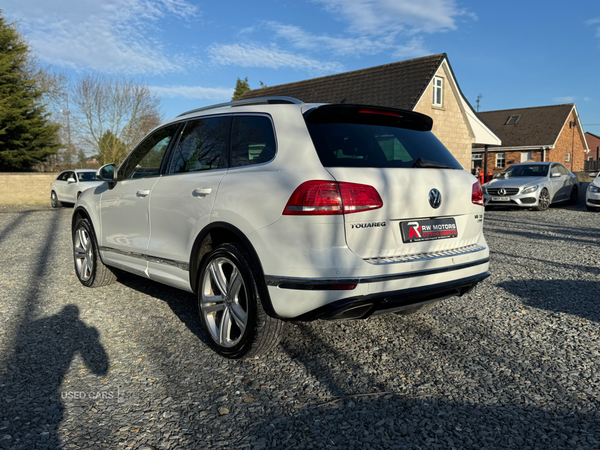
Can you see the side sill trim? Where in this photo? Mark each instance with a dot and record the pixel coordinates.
(299, 282)
(167, 262)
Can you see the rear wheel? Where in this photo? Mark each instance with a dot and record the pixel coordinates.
(54, 200)
(89, 268)
(229, 298)
(543, 201)
(574, 198)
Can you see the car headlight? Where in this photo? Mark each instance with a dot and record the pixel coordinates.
(529, 189)
(593, 188)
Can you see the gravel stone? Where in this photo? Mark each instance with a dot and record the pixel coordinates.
(514, 364)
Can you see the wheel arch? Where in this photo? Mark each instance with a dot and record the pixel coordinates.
(218, 233)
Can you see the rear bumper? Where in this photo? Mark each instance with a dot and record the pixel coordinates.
(364, 306)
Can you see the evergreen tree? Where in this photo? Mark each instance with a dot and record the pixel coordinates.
(112, 150)
(241, 87)
(26, 137)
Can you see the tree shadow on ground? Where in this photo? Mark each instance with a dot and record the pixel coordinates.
(577, 297)
(30, 390)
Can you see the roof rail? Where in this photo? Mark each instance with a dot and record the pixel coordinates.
(250, 101)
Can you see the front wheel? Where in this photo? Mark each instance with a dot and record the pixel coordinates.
(89, 268)
(591, 208)
(229, 298)
(543, 201)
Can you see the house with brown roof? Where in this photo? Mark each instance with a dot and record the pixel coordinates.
(545, 133)
(593, 142)
(426, 85)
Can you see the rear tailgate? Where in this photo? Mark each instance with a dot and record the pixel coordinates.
(405, 193)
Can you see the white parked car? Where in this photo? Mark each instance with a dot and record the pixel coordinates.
(68, 185)
(274, 210)
(592, 194)
(532, 185)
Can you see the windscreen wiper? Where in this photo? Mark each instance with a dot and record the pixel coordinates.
(431, 164)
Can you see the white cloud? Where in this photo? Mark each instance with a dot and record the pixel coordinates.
(195, 92)
(595, 21)
(565, 99)
(379, 17)
(111, 36)
(250, 55)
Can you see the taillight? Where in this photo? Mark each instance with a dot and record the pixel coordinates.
(477, 194)
(320, 197)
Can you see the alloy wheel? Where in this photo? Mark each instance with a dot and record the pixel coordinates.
(84, 257)
(544, 200)
(224, 302)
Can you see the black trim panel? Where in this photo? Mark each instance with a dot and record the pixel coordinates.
(314, 283)
(364, 306)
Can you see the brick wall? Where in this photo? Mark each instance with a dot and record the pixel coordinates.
(25, 188)
(594, 146)
(571, 140)
(448, 121)
(510, 159)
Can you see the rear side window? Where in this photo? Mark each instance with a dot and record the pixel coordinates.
(252, 140)
(203, 145)
(359, 137)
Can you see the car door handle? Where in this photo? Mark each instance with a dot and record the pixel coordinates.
(143, 193)
(202, 192)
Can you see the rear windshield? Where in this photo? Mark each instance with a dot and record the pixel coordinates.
(371, 140)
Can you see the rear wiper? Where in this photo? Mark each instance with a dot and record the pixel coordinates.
(436, 165)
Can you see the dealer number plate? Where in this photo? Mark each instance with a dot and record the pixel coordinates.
(428, 230)
(501, 199)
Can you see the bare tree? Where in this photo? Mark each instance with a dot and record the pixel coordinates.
(122, 108)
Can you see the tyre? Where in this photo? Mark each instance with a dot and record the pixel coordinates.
(89, 267)
(416, 309)
(54, 200)
(230, 294)
(574, 197)
(592, 208)
(543, 201)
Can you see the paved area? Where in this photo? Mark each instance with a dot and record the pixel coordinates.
(514, 365)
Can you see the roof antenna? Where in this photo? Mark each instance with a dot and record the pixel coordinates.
(479, 97)
(343, 101)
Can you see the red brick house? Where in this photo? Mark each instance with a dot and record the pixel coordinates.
(545, 133)
(593, 143)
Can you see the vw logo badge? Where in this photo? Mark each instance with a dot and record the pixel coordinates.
(435, 198)
(501, 191)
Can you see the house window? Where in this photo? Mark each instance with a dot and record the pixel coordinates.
(568, 157)
(512, 120)
(476, 161)
(500, 160)
(525, 156)
(438, 91)
(590, 158)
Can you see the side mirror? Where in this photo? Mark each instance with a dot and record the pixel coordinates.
(593, 174)
(108, 173)
(71, 180)
(555, 175)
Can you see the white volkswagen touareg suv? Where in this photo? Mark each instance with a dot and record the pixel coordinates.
(274, 210)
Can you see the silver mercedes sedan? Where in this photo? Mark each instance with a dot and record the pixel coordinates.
(533, 185)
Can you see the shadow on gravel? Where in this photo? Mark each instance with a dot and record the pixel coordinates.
(559, 233)
(16, 222)
(560, 265)
(31, 389)
(182, 303)
(575, 297)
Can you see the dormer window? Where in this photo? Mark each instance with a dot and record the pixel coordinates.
(438, 91)
(512, 120)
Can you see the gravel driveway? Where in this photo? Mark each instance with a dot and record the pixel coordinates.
(515, 364)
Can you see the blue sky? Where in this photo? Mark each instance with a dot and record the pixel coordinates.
(514, 53)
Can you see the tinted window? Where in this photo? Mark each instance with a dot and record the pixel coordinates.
(87, 176)
(202, 146)
(63, 176)
(252, 140)
(146, 158)
(555, 169)
(366, 138)
(563, 170)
